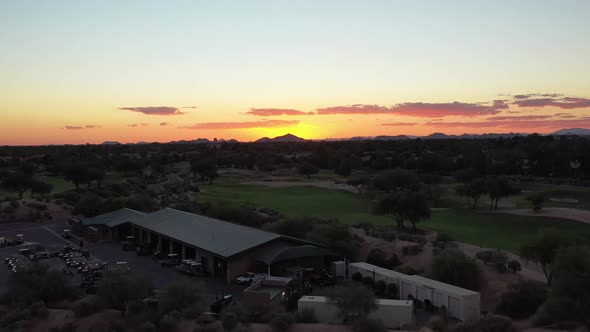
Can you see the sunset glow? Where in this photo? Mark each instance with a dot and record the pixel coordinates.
(89, 72)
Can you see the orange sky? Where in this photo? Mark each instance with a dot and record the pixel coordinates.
(87, 72)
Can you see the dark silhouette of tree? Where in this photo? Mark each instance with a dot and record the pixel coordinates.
(343, 168)
(307, 169)
(353, 300)
(405, 206)
(454, 267)
(537, 200)
(498, 188)
(472, 186)
(359, 182)
(40, 188)
(18, 182)
(77, 174)
(205, 168)
(395, 180)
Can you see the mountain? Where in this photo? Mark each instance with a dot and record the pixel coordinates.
(284, 138)
(391, 138)
(111, 143)
(573, 131)
(437, 136)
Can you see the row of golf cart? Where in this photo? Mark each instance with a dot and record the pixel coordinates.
(12, 240)
(29, 253)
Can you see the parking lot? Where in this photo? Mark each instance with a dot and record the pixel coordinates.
(49, 236)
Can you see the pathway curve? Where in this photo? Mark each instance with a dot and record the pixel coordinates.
(555, 212)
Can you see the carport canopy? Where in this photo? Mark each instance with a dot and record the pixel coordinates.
(285, 252)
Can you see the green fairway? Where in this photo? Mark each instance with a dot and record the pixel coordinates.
(487, 229)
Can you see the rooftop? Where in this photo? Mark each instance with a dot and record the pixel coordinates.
(113, 218)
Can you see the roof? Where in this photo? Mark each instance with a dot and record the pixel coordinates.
(113, 218)
(282, 252)
(379, 270)
(385, 302)
(216, 236)
(442, 286)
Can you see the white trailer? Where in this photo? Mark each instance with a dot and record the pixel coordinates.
(377, 273)
(394, 314)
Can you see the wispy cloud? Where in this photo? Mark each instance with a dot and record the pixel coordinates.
(189, 107)
(519, 117)
(138, 125)
(399, 124)
(421, 109)
(82, 127)
(520, 125)
(154, 110)
(243, 125)
(163, 124)
(276, 112)
(563, 103)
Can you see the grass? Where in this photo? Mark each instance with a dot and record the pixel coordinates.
(486, 229)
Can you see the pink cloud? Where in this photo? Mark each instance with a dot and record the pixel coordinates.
(276, 112)
(519, 117)
(154, 110)
(517, 125)
(138, 125)
(399, 124)
(82, 127)
(243, 125)
(162, 124)
(563, 103)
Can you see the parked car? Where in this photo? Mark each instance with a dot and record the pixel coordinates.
(144, 250)
(19, 239)
(159, 255)
(66, 234)
(171, 260)
(129, 243)
(250, 277)
(191, 268)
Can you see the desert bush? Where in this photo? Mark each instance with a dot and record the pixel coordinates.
(436, 251)
(488, 323)
(368, 325)
(554, 310)
(357, 277)
(406, 269)
(522, 299)
(87, 306)
(169, 322)
(454, 267)
(282, 321)
(379, 288)
(306, 316)
(413, 249)
(485, 256)
(147, 327)
(38, 309)
(514, 266)
(437, 324)
(229, 321)
(443, 237)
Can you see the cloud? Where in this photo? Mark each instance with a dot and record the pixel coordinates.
(276, 112)
(163, 124)
(243, 125)
(521, 96)
(190, 107)
(138, 125)
(563, 103)
(519, 117)
(421, 109)
(82, 127)
(519, 125)
(399, 124)
(154, 110)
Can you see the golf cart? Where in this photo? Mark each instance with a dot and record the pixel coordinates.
(144, 249)
(221, 301)
(66, 234)
(19, 239)
(171, 260)
(191, 268)
(129, 243)
(159, 255)
(121, 267)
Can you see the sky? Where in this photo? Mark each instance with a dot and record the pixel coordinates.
(91, 71)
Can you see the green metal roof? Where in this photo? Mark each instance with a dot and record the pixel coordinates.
(113, 218)
(216, 236)
(282, 252)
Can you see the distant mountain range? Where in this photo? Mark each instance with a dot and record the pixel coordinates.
(292, 138)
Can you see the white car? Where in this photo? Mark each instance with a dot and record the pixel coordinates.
(250, 278)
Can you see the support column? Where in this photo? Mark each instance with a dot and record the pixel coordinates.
(159, 247)
(170, 247)
(183, 252)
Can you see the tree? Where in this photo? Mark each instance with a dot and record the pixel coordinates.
(343, 168)
(18, 182)
(77, 174)
(352, 300)
(397, 180)
(569, 299)
(298, 228)
(182, 294)
(360, 183)
(118, 289)
(97, 175)
(454, 267)
(336, 236)
(405, 205)
(497, 188)
(537, 200)
(307, 169)
(472, 191)
(522, 299)
(205, 168)
(37, 282)
(543, 248)
(40, 188)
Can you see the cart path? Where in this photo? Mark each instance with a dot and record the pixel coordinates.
(317, 183)
(555, 212)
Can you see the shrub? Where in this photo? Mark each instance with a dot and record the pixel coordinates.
(437, 324)
(555, 310)
(168, 323)
(306, 316)
(379, 288)
(229, 321)
(357, 277)
(135, 307)
(393, 262)
(514, 266)
(86, 306)
(488, 323)
(413, 249)
(443, 237)
(368, 281)
(484, 256)
(282, 321)
(436, 251)
(391, 291)
(376, 257)
(454, 267)
(406, 269)
(38, 309)
(99, 326)
(522, 299)
(368, 325)
(241, 313)
(499, 260)
(147, 327)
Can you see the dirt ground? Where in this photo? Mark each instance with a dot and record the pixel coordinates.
(25, 213)
(567, 213)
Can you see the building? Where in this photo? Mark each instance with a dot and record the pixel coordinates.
(460, 303)
(224, 249)
(394, 314)
(267, 295)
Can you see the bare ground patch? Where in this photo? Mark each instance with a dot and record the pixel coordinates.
(566, 213)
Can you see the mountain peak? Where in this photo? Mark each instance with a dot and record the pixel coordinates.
(284, 138)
